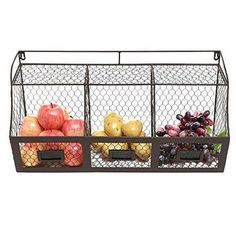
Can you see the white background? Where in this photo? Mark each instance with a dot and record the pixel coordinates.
(115, 204)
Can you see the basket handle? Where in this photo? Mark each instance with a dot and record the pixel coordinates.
(51, 155)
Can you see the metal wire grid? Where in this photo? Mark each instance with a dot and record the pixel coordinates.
(52, 74)
(187, 74)
(18, 109)
(69, 97)
(124, 89)
(119, 75)
(98, 160)
(177, 99)
(221, 110)
(191, 164)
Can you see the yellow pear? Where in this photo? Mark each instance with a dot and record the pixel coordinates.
(112, 125)
(113, 146)
(142, 150)
(132, 128)
(97, 146)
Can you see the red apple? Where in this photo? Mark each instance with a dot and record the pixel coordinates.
(73, 127)
(52, 146)
(73, 154)
(30, 126)
(29, 154)
(66, 115)
(51, 116)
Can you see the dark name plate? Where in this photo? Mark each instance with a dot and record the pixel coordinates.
(51, 155)
(189, 155)
(127, 155)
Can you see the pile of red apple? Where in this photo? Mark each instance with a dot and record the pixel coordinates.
(52, 120)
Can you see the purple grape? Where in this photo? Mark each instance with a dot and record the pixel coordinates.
(160, 131)
(193, 118)
(195, 114)
(188, 146)
(176, 128)
(179, 116)
(201, 131)
(183, 121)
(173, 151)
(181, 126)
(198, 146)
(206, 113)
(167, 127)
(188, 125)
(195, 125)
(166, 147)
(187, 115)
(183, 133)
(211, 146)
(192, 134)
(210, 122)
(173, 133)
(163, 152)
(162, 158)
(181, 145)
(201, 119)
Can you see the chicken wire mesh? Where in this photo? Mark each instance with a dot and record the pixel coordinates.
(51, 74)
(153, 94)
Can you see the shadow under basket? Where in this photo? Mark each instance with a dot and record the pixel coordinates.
(152, 86)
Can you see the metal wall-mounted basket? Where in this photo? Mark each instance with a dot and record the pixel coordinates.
(151, 86)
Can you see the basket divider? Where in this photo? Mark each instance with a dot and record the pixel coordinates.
(153, 103)
(87, 111)
(216, 94)
(22, 82)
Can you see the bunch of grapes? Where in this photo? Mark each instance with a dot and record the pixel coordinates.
(190, 125)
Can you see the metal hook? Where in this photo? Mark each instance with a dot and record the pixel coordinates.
(22, 55)
(216, 55)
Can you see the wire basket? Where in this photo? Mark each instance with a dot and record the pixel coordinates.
(149, 86)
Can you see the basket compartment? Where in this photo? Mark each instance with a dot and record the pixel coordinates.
(125, 90)
(51, 154)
